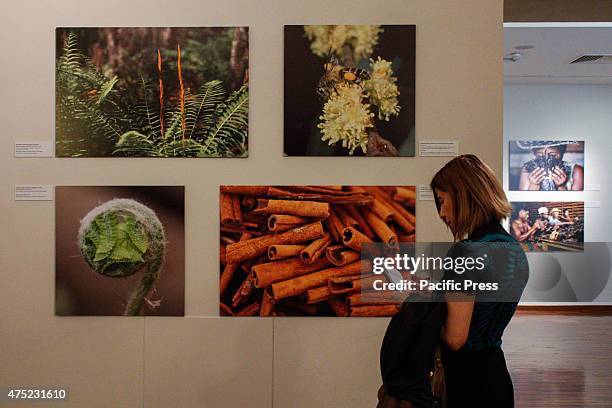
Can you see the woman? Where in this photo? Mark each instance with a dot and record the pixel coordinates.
(472, 204)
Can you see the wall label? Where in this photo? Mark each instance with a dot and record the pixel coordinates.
(33, 192)
(33, 149)
(425, 193)
(439, 148)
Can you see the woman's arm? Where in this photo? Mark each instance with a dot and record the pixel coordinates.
(458, 318)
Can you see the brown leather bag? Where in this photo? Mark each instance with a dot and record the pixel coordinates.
(438, 385)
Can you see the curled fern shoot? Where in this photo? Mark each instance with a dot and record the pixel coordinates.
(121, 237)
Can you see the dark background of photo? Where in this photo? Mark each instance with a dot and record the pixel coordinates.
(79, 290)
(129, 52)
(302, 72)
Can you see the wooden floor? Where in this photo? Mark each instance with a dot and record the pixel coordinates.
(560, 361)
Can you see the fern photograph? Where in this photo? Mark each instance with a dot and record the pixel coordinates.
(120, 250)
(152, 92)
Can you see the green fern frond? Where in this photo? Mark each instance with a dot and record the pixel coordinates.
(199, 112)
(231, 127)
(89, 112)
(71, 56)
(182, 148)
(135, 144)
(148, 120)
(106, 89)
(112, 242)
(173, 131)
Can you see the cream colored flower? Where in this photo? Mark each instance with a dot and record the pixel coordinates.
(346, 118)
(382, 89)
(331, 39)
(363, 39)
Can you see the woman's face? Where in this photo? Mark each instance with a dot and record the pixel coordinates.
(553, 151)
(446, 207)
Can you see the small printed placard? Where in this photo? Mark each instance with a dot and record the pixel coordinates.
(425, 193)
(439, 148)
(33, 149)
(592, 204)
(592, 187)
(33, 193)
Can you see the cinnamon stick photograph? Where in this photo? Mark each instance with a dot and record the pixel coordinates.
(296, 250)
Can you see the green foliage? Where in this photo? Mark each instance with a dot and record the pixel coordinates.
(115, 245)
(214, 127)
(89, 112)
(230, 116)
(209, 59)
(93, 119)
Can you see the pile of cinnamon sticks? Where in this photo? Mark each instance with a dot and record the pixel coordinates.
(295, 250)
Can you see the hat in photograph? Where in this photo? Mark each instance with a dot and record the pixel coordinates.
(536, 144)
(542, 210)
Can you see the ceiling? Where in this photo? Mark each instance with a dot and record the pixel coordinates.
(554, 47)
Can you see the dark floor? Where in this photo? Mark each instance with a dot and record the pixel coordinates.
(560, 360)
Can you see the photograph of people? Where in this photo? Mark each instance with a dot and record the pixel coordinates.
(546, 165)
(521, 229)
(558, 225)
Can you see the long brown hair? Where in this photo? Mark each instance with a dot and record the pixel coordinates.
(476, 195)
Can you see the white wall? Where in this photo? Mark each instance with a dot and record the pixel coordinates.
(202, 360)
(568, 112)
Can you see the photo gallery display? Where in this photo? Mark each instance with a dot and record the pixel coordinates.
(183, 92)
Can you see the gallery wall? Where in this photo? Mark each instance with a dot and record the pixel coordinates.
(201, 359)
(567, 112)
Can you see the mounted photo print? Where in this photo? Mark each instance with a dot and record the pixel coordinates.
(349, 90)
(151, 92)
(546, 165)
(296, 250)
(119, 251)
(548, 226)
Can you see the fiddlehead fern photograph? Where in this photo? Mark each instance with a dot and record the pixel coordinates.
(120, 251)
(152, 92)
(349, 90)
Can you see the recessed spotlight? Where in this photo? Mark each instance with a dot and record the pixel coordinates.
(523, 47)
(513, 57)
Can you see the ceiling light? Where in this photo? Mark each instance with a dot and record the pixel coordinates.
(513, 57)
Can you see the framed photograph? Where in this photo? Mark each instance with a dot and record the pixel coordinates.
(297, 250)
(546, 165)
(548, 226)
(151, 92)
(119, 251)
(349, 90)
